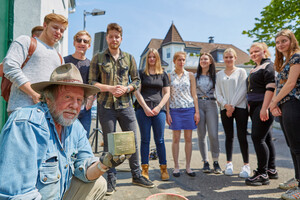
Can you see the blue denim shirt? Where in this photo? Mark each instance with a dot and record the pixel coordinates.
(34, 163)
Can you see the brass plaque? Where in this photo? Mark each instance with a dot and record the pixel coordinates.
(120, 143)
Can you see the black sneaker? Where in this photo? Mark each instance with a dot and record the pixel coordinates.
(142, 181)
(272, 173)
(111, 186)
(258, 179)
(217, 168)
(206, 168)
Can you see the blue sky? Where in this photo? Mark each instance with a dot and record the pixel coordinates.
(195, 20)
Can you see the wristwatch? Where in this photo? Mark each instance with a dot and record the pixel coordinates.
(100, 168)
(128, 89)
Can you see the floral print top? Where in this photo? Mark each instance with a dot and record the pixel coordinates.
(180, 91)
(282, 79)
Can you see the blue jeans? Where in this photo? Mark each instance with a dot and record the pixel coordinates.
(85, 117)
(158, 125)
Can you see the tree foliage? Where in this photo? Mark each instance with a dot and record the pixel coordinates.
(278, 15)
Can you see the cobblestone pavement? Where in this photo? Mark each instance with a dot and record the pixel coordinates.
(206, 186)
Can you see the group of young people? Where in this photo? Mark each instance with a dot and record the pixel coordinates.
(184, 100)
(187, 101)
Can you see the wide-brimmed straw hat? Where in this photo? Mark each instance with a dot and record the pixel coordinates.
(66, 74)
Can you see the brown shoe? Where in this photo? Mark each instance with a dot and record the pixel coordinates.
(145, 170)
(164, 173)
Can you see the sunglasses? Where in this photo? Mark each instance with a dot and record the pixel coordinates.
(79, 40)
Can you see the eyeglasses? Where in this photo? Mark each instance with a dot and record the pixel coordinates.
(79, 40)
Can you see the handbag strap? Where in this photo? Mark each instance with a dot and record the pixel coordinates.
(31, 50)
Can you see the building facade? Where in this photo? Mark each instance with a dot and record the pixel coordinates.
(173, 43)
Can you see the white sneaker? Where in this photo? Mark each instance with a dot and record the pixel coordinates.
(245, 173)
(228, 169)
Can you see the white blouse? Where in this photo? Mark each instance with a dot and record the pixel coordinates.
(232, 89)
(180, 91)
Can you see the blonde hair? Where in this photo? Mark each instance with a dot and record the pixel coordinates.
(294, 47)
(230, 50)
(158, 68)
(52, 17)
(177, 54)
(263, 46)
(79, 33)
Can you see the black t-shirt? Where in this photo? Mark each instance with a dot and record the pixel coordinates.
(82, 65)
(151, 87)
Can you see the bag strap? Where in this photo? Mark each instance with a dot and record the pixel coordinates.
(61, 59)
(31, 50)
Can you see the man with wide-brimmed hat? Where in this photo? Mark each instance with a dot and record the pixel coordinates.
(44, 151)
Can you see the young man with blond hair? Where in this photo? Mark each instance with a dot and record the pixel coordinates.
(82, 42)
(39, 67)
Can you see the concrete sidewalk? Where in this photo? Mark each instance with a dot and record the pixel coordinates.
(206, 186)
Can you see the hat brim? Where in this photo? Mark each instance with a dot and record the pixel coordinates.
(88, 89)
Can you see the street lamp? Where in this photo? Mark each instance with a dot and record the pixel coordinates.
(95, 12)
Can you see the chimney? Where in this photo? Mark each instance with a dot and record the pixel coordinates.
(211, 39)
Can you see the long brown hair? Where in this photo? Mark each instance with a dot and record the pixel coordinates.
(294, 47)
(211, 70)
(158, 68)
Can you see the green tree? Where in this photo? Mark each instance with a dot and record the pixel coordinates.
(278, 15)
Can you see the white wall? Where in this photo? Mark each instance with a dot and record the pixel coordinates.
(173, 49)
(31, 13)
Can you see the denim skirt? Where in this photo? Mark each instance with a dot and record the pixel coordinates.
(182, 118)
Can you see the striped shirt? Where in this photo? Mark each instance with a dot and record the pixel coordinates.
(106, 70)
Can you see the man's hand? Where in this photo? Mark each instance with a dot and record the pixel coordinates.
(36, 97)
(118, 90)
(89, 102)
(111, 161)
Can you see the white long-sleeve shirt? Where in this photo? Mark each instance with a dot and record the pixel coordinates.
(232, 89)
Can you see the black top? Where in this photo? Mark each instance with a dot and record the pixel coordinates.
(82, 65)
(260, 79)
(151, 87)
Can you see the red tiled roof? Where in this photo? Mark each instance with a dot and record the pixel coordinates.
(242, 57)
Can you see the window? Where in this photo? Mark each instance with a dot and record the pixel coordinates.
(220, 57)
(176, 49)
(168, 52)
